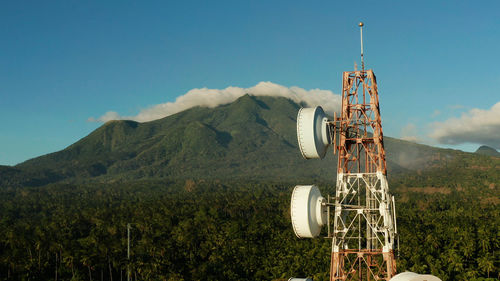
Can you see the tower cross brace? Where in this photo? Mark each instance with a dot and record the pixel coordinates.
(364, 233)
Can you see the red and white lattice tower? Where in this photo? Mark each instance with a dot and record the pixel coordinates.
(361, 216)
(364, 223)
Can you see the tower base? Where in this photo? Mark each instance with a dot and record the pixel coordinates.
(362, 265)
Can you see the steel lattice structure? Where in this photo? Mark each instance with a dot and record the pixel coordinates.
(364, 227)
(363, 232)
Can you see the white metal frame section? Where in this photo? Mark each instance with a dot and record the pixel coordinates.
(364, 216)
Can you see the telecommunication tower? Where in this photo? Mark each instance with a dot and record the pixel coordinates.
(361, 217)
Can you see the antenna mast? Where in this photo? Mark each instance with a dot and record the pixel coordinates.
(362, 212)
(364, 229)
(361, 24)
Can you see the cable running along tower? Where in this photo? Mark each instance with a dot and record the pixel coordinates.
(361, 217)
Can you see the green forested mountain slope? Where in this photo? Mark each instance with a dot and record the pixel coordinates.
(251, 138)
(207, 192)
(486, 150)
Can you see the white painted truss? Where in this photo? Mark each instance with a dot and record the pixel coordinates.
(364, 216)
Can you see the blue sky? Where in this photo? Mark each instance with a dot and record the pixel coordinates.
(62, 62)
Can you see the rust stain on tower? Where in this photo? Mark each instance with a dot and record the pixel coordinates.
(360, 117)
(361, 217)
(364, 221)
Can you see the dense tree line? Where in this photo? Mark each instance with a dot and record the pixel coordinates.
(197, 230)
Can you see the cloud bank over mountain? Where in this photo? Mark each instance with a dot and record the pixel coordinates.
(410, 133)
(475, 126)
(214, 97)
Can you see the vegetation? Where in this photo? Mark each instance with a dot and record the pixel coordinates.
(486, 150)
(249, 138)
(200, 230)
(188, 186)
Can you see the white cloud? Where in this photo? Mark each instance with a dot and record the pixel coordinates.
(435, 113)
(409, 133)
(214, 97)
(475, 126)
(456, 106)
(108, 116)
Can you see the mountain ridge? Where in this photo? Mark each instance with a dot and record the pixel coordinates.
(251, 138)
(489, 151)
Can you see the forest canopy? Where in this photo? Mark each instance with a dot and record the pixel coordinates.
(212, 230)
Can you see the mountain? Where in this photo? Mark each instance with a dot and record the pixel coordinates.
(253, 138)
(187, 186)
(489, 151)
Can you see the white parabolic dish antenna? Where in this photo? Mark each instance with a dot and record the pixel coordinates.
(312, 132)
(410, 276)
(307, 211)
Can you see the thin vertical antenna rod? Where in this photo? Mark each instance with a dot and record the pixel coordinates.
(128, 251)
(361, 24)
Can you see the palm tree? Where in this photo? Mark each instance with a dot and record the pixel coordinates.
(485, 264)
